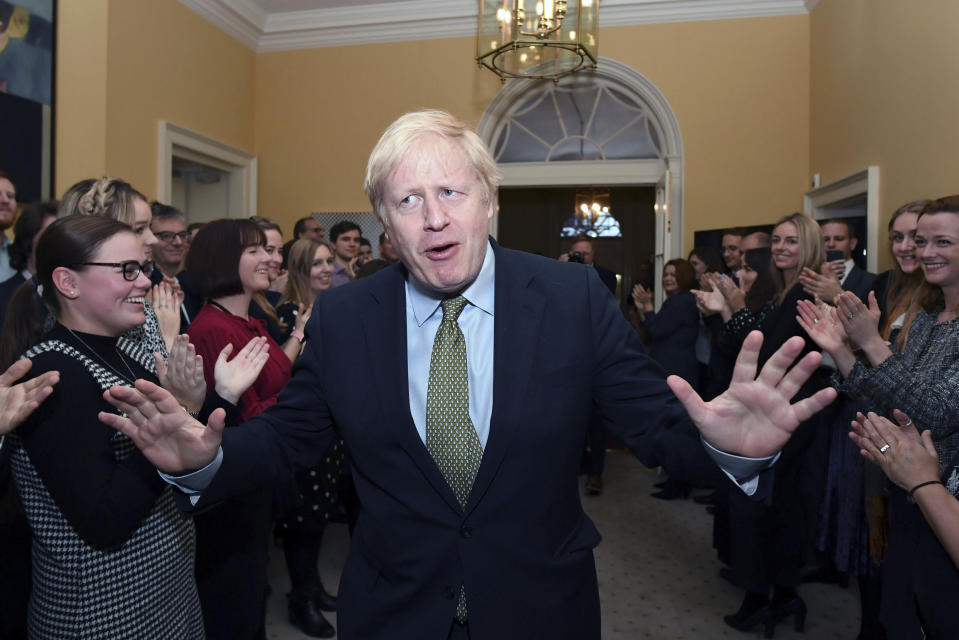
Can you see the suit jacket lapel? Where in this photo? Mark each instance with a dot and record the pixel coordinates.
(384, 324)
(518, 313)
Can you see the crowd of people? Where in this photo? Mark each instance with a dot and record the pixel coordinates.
(219, 355)
(890, 350)
(106, 290)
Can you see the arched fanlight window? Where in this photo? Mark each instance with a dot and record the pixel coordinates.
(583, 117)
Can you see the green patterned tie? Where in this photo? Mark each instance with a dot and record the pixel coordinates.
(450, 436)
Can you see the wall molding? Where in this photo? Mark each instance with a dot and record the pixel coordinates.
(260, 30)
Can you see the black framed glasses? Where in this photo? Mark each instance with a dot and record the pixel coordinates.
(168, 236)
(131, 269)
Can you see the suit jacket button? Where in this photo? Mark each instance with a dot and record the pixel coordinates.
(466, 532)
(450, 592)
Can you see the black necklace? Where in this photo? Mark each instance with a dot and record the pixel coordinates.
(119, 353)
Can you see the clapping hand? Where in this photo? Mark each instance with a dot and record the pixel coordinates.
(166, 304)
(642, 298)
(17, 401)
(860, 322)
(906, 457)
(234, 377)
(182, 374)
(754, 417)
(823, 285)
(710, 302)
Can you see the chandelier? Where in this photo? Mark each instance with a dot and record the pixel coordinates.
(592, 216)
(546, 40)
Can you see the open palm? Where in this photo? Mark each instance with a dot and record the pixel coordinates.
(754, 417)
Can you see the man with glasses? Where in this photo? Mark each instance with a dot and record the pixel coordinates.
(169, 227)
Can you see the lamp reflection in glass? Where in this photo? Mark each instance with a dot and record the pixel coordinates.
(547, 39)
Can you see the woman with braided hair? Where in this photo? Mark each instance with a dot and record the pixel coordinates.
(117, 199)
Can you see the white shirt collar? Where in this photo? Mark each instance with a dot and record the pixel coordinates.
(479, 293)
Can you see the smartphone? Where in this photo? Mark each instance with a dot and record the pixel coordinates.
(834, 254)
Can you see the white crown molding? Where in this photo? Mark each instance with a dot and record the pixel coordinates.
(426, 19)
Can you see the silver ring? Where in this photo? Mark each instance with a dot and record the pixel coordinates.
(884, 448)
(851, 316)
(908, 424)
(815, 320)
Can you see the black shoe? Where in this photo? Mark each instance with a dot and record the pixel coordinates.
(709, 498)
(307, 618)
(661, 485)
(792, 607)
(323, 600)
(675, 489)
(594, 485)
(753, 611)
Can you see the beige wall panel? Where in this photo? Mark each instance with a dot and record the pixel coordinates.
(885, 92)
(740, 89)
(168, 63)
(319, 112)
(81, 92)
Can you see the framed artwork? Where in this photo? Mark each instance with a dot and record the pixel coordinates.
(27, 64)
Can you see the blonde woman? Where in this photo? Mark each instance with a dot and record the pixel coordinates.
(766, 541)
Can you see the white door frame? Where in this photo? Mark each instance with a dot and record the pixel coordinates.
(176, 141)
(609, 172)
(862, 183)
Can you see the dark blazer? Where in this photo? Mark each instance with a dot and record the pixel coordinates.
(523, 546)
(672, 336)
(859, 282)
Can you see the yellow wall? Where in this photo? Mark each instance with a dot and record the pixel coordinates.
(740, 89)
(158, 61)
(884, 92)
(81, 95)
(320, 111)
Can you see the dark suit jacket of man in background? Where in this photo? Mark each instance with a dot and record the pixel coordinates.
(523, 546)
(859, 282)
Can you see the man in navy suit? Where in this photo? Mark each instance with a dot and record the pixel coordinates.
(545, 345)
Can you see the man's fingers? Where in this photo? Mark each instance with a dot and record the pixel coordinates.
(793, 380)
(779, 362)
(217, 420)
(688, 397)
(808, 407)
(121, 424)
(748, 358)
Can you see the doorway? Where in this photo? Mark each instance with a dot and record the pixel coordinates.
(532, 219)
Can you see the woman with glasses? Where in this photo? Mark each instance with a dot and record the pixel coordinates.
(117, 199)
(112, 557)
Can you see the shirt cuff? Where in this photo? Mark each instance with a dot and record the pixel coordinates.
(744, 472)
(193, 484)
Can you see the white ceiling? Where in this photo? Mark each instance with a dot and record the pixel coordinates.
(274, 25)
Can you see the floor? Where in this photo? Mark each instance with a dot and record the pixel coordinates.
(658, 574)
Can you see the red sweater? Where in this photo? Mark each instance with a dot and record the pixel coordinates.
(212, 329)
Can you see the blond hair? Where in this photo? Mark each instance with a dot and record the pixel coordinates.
(108, 197)
(299, 261)
(810, 252)
(412, 127)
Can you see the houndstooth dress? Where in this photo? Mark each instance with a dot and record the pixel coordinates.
(142, 588)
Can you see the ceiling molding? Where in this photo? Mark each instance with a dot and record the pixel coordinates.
(260, 30)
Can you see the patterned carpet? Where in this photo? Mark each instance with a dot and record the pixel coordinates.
(658, 574)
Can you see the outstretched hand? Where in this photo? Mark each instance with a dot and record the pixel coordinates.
(166, 434)
(17, 401)
(754, 417)
(908, 460)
